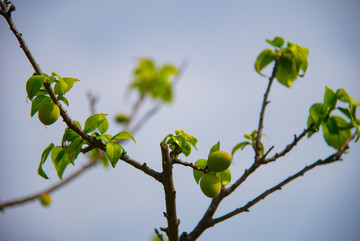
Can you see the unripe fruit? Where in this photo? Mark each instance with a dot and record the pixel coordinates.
(121, 118)
(210, 185)
(48, 113)
(219, 161)
(45, 199)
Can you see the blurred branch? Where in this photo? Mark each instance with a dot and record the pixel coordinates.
(49, 190)
(92, 99)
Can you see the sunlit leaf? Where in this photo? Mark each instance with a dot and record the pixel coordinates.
(214, 148)
(124, 135)
(33, 85)
(113, 152)
(241, 146)
(201, 163)
(60, 160)
(265, 57)
(44, 156)
(224, 177)
(277, 42)
(334, 134)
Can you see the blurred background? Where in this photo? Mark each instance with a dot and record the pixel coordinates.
(218, 98)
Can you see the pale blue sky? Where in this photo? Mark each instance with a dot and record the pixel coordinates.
(218, 98)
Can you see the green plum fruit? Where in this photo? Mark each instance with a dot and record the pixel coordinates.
(210, 185)
(48, 113)
(45, 199)
(219, 161)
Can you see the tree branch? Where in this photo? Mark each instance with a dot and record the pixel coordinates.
(49, 190)
(290, 146)
(330, 159)
(172, 230)
(258, 142)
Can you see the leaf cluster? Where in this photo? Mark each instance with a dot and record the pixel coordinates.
(252, 138)
(336, 129)
(72, 144)
(154, 81)
(38, 95)
(181, 142)
(291, 61)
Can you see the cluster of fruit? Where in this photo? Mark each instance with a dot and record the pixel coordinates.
(218, 163)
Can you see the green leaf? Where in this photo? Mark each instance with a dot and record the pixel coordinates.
(124, 135)
(265, 57)
(343, 96)
(91, 123)
(34, 84)
(318, 112)
(44, 156)
(74, 149)
(96, 121)
(63, 99)
(37, 103)
(201, 163)
(346, 112)
(330, 98)
(189, 138)
(113, 152)
(104, 137)
(103, 123)
(69, 83)
(277, 42)
(224, 177)
(60, 86)
(70, 135)
(286, 71)
(60, 160)
(334, 133)
(238, 146)
(215, 148)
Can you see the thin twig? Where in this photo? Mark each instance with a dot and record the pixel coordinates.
(188, 164)
(48, 190)
(258, 143)
(290, 146)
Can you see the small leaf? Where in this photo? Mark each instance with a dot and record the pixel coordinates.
(91, 123)
(330, 98)
(34, 84)
(214, 148)
(189, 138)
(346, 112)
(124, 135)
(277, 42)
(104, 137)
(286, 71)
(60, 160)
(44, 156)
(201, 163)
(224, 177)
(334, 134)
(73, 150)
(318, 112)
(69, 82)
(265, 57)
(60, 86)
(70, 135)
(102, 123)
(63, 99)
(37, 103)
(114, 152)
(241, 145)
